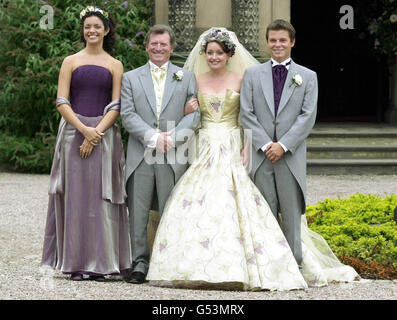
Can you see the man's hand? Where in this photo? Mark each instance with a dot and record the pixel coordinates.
(191, 106)
(164, 142)
(274, 152)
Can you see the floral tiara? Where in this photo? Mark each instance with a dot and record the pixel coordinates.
(93, 9)
(219, 36)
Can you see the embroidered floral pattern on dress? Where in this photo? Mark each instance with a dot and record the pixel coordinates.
(186, 203)
(252, 260)
(258, 249)
(205, 243)
(216, 105)
(258, 200)
(163, 245)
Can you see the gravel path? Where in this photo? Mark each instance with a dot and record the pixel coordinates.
(23, 207)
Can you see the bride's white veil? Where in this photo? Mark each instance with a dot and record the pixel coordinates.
(239, 62)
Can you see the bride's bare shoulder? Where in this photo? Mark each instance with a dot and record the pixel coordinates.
(202, 78)
(235, 80)
(236, 76)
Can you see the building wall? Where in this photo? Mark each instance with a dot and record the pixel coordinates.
(210, 13)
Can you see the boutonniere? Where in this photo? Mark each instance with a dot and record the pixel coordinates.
(178, 76)
(296, 80)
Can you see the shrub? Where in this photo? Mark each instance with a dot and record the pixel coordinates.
(30, 59)
(30, 155)
(360, 230)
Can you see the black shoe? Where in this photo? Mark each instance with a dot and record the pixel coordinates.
(97, 278)
(76, 277)
(136, 277)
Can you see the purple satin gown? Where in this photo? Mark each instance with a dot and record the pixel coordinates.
(87, 228)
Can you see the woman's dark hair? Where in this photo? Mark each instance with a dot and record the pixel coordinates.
(223, 46)
(109, 40)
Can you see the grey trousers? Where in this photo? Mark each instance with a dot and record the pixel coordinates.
(149, 183)
(283, 194)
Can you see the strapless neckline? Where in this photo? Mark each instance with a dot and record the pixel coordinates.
(90, 89)
(220, 93)
(92, 65)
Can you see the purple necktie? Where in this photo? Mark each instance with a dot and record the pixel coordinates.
(279, 75)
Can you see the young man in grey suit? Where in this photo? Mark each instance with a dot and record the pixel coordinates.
(279, 104)
(153, 100)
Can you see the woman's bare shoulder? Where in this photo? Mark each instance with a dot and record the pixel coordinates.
(71, 58)
(236, 76)
(117, 65)
(202, 78)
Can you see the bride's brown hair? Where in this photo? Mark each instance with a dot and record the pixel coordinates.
(223, 46)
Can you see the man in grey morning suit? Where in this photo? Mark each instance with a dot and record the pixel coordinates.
(153, 99)
(279, 104)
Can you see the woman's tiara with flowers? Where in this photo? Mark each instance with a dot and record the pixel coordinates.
(93, 9)
(219, 36)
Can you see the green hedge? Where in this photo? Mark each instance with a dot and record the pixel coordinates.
(360, 230)
(30, 59)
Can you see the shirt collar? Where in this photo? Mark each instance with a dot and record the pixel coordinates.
(284, 63)
(165, 65)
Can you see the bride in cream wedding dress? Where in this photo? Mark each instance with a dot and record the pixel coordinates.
(217, 231)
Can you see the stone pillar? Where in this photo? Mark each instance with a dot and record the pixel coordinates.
(391, 113)
(245, 22)
(182, 19)
(211, 13)
(161, 12)
(281, 9)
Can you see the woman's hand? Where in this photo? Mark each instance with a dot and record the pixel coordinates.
(86, 149)
(245, 155)
(191, 106)
(92, 135)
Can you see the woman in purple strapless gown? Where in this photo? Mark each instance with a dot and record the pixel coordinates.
(87, 229)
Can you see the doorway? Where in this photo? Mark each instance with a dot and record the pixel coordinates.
(353, 84)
